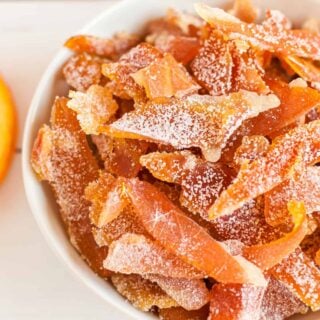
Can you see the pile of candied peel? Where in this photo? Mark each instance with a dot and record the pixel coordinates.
(184, 162)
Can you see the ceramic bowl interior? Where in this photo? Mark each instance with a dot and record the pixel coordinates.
(130, 16)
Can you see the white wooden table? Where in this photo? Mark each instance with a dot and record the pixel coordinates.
(34, 284)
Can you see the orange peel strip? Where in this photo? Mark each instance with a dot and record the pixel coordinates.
(265, 256)
(300, 145)
(306, 69)
(266, 36)
(212, 67)
(300, 274)
(295, 102)
(189, 122)
(94, 108)
(120, 156)
(82, 70)
(201, 181)
(317, 258)
(165, 77)
(191, 294)
(279, 302)
(303, 186)
(185, 238)
(122, 84)
(134, 253)
(110, 48)
(245, 300)
(142, 293)
(60, 154)
(183, 49)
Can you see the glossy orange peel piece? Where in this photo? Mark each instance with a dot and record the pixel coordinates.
(120, 156)
(300, 145)
(119, 73)
(305, 68)
(109, 48)
(201, 181)
(302, 186)
(185, 238)
(165, 77)
(137, 254)
(296, 101)
(182, 48)
(265, 256)
(8, 128)
(244, 10)
(61, 153)
(196, 121)
(264, 36)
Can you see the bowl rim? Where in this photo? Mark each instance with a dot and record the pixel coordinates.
(68, 254)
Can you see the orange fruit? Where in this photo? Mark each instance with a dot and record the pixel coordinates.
(8, 128)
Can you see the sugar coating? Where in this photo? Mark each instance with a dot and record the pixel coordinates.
(302, 276)
(190, 294)
(142, 293)
(137, 254)
(197, 121)
(94, 108)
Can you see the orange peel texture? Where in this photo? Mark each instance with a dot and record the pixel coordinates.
(61, 153)
(165, 77)
(302, 186)
(185, 238)
(301, 275)
(196, 121)
(201, 181)
(109, 48)
(265, 256)
(137, 254)
(245, 300)
(267, 36)
(300, 145)
(8, 128)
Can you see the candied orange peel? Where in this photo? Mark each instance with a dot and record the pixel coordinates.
(300, 145)
(268, 255)
(272, 37)
(95, 107)
(165, 78)
(182, 236)
(194, 121)
(302, 186)
(185, 162)
(137, 254)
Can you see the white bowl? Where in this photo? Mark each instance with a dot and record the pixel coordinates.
(129, 15)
